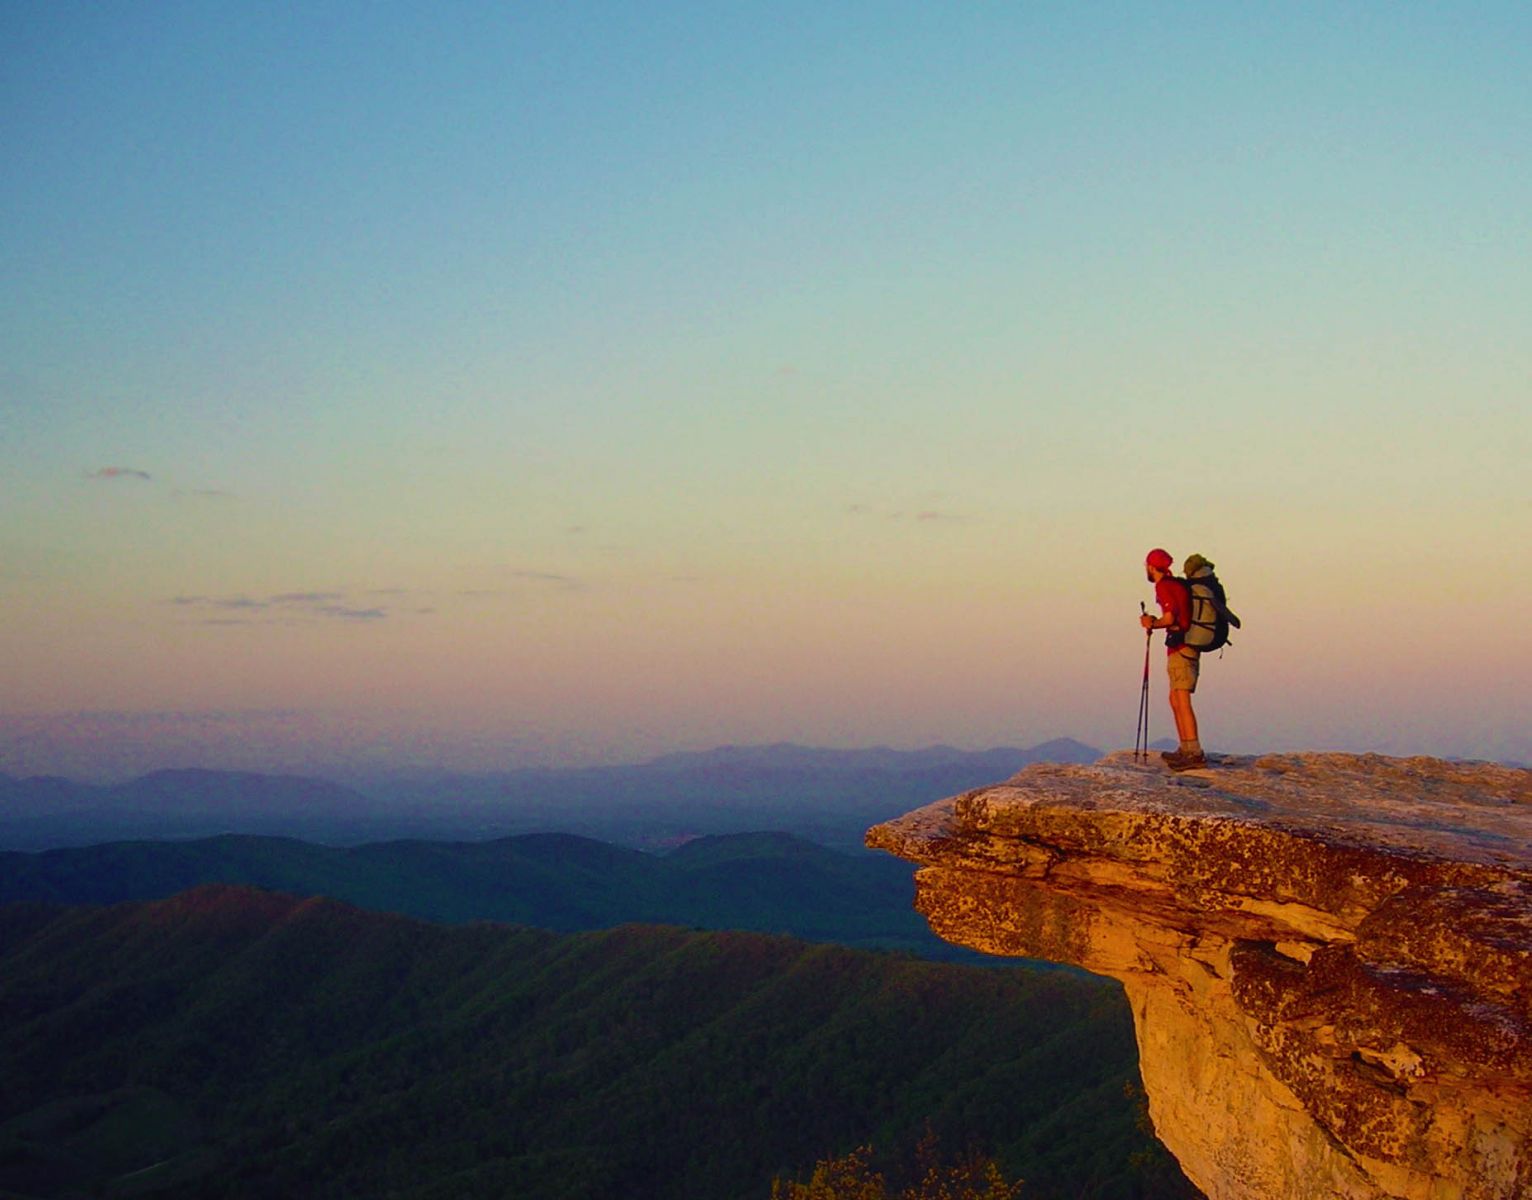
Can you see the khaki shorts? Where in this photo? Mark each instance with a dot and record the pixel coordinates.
(1183, 666)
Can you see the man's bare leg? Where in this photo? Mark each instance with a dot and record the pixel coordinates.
(1186, 719)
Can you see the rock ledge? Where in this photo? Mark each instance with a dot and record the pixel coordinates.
(1328, 956)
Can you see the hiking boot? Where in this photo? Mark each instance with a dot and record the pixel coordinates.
(1178, 760)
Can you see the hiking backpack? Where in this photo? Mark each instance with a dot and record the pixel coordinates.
(1211, 617)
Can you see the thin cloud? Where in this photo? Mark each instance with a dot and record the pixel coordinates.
(282, 608)
(120, 473)
(240, 602)
(306, 597)
(525, 581)
(346, 613)
(493, 574)
(544, 577)
(936, 515)
(924, 516)
(202, 494)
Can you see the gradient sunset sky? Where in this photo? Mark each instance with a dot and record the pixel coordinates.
(488, 385)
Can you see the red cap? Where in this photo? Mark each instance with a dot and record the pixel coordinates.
(1159, 559)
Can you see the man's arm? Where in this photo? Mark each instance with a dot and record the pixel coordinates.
(1166, 618)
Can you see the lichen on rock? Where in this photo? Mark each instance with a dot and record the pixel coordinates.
(1328, 956)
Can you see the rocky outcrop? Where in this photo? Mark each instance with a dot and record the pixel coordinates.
(1328, 956)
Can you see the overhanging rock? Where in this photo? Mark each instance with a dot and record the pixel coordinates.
(1328, 956)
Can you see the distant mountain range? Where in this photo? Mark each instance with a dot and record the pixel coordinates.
(769, 882)
(228, 1043)
(49, 811)
(827, 796)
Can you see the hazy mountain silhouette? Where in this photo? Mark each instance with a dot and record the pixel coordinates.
(827, 796)
(234, 1043)
(49, 811)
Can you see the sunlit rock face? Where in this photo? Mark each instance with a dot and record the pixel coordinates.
(1328, 956)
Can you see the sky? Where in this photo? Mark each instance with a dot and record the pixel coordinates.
(484, 385)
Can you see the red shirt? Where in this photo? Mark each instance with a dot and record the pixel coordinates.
(1175, 600)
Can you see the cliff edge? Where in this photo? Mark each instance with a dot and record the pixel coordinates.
(1328, 956)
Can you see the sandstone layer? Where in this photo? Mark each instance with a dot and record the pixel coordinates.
(1328, 956)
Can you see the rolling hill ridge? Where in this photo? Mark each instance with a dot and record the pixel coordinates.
(767, 882)
(228, 1042)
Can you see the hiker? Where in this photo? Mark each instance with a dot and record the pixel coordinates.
(1182, 662)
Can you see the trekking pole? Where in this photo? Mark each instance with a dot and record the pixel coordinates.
(1141, 733)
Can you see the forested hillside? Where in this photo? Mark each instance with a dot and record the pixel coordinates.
(772, 883)
(234, 1043)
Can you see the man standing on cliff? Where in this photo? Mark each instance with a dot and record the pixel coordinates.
(1182, 661)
